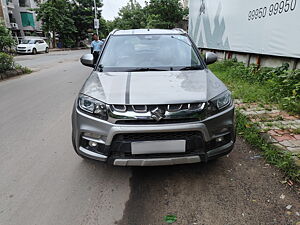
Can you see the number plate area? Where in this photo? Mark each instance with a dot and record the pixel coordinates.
(156, 147)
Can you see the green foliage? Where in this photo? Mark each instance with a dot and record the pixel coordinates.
(56, 16)
(83, 17)
(7, 62)
(131, 16)
(6, 40)
(24, 69)
(72, 20)
(164, 14)
(267, 85)
(281, 159)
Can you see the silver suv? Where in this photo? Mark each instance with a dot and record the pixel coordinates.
(151, 100)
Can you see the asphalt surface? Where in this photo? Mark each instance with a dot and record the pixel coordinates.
(42, 180)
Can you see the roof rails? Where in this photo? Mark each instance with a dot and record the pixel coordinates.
(179, 29)
(114, 31)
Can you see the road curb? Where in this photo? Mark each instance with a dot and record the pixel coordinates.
(67, 49)
(11, 73)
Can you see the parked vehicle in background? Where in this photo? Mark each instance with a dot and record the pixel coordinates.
(32, 46)
(152, 102)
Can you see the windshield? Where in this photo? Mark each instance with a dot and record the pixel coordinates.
(27, 41)
(149, 52)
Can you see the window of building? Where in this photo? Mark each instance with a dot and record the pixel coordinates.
(27, 19)
(23, 3)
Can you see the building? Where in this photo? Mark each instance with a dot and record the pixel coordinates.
(19, 17)
(4, 12)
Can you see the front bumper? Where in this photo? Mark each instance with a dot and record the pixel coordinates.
(24, 50)
(113, 141)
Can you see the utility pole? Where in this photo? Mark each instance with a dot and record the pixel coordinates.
(96, 21)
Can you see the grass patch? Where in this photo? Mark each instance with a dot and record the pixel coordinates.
(281, 159)
(24, 69)
(296, 131)
(261, 85)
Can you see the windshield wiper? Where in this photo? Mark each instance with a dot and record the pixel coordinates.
(141, 69)
(198, 67)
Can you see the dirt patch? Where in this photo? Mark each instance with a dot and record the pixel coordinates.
(234, 190)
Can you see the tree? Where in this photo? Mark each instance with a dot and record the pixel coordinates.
(165, 14)
(131, 16)
(6, 40)
(83, 16)
(56, 17)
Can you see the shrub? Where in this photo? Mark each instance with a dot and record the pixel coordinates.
(6, 62)
(281, 85)
(6, 40)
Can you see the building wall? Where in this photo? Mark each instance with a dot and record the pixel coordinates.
(4, 13)
(262, 60)
(18, 9)
(1, 11)
(229, 28)
(11, 11)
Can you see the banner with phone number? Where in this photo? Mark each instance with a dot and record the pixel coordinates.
(269, 27)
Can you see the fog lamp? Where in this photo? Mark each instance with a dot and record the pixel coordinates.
(92, 144)
(91, 135)
(219, 139)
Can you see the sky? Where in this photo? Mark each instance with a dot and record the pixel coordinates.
(111, 8)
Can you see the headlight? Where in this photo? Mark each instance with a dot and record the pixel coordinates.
(92, 106)
(223, 100)
(219, 103)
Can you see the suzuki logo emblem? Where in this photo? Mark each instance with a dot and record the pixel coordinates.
(157, 114)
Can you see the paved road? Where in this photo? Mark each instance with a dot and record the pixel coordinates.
(43, 182)
(43, 60)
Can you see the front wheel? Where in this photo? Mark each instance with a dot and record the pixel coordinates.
(34, 51)
(47, 50)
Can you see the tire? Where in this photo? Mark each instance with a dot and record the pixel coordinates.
(34, 51)
(47, 50)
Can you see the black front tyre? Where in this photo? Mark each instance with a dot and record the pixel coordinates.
(47, 50)
(34, 51)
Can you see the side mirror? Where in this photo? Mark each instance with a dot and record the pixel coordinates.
(210, 58)
(87, 60)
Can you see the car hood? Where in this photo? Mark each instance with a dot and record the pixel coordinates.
(153, 87)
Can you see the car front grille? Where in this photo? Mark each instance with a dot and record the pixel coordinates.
(132, 137)
(121, 144)
(156, 114)
(148, 108)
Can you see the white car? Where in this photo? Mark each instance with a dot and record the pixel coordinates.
(32, 46)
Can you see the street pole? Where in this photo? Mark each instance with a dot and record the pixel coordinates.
(95, 6)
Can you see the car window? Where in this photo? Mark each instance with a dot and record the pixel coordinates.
(149, 51)
(27, 41)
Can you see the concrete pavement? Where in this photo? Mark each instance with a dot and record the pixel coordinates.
(48, 60)
(42, 180)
